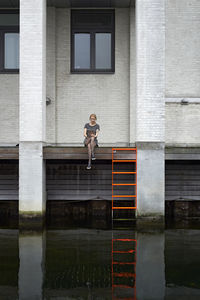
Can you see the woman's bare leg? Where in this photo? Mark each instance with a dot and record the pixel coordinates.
(89, 153)
(93, 144)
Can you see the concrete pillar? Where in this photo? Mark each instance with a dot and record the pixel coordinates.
(32, 111)
(32, 249)
(150, 107)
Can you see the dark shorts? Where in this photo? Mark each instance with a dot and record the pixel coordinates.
(86, 145)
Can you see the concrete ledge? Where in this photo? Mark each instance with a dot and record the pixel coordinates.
(182, 153)
(9, 152)
(150, 145)
(79, 152)
(172, 151)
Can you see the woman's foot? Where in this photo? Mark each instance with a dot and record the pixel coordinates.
(89, 166)
(93, 157)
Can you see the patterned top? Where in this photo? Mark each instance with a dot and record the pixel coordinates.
(91, 129)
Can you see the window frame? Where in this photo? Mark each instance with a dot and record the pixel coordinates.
(7, 29)
(89, 29)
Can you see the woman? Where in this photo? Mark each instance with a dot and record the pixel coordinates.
(91, 131)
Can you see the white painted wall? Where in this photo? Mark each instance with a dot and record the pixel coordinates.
(51, 75)
(150, 70)
(182, 48)
(182, 122)
(79, 95)
(9, 109)
(108, 95)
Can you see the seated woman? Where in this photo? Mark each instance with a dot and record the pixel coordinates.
(91, 131)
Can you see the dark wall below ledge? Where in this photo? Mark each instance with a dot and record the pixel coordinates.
(181, 209)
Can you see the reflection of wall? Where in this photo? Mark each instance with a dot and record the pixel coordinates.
(150, 267)
(182, 258)
(80, 260)
(9, 264)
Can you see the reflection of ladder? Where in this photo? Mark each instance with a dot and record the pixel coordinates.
(124, 179)
(124, 269)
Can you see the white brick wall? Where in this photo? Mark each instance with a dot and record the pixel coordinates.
(182, 48)
(182, 70)
(182, 124)
(80, 95)
(9, 110)
(132, 112)
(108, 95)
(32, 110)
(150, 70)
(51, 75)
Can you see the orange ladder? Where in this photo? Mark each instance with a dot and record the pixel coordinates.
(124, 162)
(124, 269)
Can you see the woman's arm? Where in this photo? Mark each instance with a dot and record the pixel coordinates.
(85, 132)
(97, 132)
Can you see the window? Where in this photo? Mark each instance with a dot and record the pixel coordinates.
(92, 41)
(9, 41)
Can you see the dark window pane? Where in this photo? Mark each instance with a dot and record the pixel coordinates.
(103, 50)
(82, 50)
(9, 19)
(11, 51)
(96, 19)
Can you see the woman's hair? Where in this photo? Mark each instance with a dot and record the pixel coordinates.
(93, 115)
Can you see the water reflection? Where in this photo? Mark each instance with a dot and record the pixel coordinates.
(31, 268)
(124, 257)
(100, 264)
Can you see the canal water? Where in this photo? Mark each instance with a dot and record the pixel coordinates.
(94, 263)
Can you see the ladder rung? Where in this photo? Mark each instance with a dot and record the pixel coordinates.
(123, 286)
(124, 219)
(123, 263)
(122, 298)
(124, 274)
(124, 240)
(123, 195)
(123, 149)
(124, 160)
(128, 251)
(123, 183)
(116, 172)
(123, 207)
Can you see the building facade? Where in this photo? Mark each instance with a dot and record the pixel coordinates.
(138, 70)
